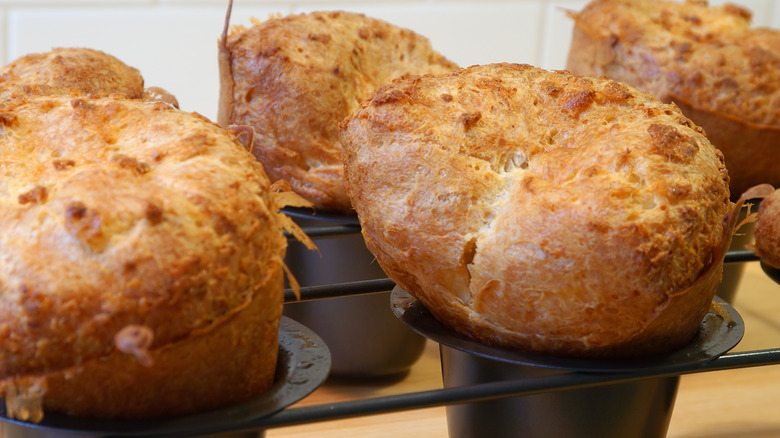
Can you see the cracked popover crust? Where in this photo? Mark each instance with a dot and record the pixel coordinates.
(140, 260)
(723, 73)
(540, 210)
(294, 78)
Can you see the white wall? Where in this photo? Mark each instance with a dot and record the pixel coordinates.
(174, 42)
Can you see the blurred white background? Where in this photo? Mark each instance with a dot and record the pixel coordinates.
(174, 42)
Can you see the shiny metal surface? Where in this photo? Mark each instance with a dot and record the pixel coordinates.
(364, 337)
(624, 410)
(640, 408)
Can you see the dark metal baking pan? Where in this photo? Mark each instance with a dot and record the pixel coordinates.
(771, 271)
(499, 389)
(370, 342)
(308, 213)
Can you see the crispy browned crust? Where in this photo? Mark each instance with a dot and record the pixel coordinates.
(722, 73)
(118, 213)
(294, 78)
(87, 70)
(767, 230)
(541, 210)
(230, 361)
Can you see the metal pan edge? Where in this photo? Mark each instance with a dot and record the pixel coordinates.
(715, 337)
(310, 214)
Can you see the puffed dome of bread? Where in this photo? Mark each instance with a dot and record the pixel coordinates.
(539, 210)
(84, 69)
(294, 78)
(722, 73)
(140, 259)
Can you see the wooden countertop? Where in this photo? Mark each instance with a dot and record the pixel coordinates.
(741, 402)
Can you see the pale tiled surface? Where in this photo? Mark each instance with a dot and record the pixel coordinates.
(557, 33)
(173, 42)
(4, 35)
(465, 32)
